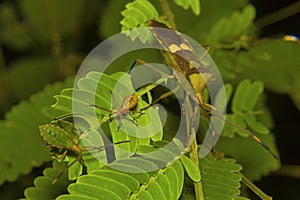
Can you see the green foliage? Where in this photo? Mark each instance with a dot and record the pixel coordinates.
(51, 46)
(248, 113)
(194, 4)
(256, 161)
(40, 69)
(20, 134)
(41, 9)
(219, 178)
(191, 169)
(94, 84)
(163, 184)
(137, 13)
(227, 31)
(13, 33)
(209, 18)
(272, 54)
(36, 51)
(43, 187)
(244, 109)
(216, 173)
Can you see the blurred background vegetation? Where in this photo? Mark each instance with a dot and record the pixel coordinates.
(42, 42)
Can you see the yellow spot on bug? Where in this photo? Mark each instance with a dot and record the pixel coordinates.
(174, 48)
(290, 38)
(185, 47)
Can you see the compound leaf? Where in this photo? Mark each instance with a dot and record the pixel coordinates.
(191, 169)
(34, 152)
(194, 4)
(43, 186)
(252, 94)
(243, 106)
(272, 54)
(239, 95)
(219, 178)
(232, 27)
(254, 167)
(165, 183)
(136, 14)
(100, 96)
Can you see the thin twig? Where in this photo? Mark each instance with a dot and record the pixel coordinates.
(167, 12)
(195, 158)
(278, 15)
(289, 170)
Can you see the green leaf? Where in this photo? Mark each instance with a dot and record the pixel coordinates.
(39, 69)
(257, 126)
(137, 13)
(213, 14)
(165, 183)
(191, 169)
(96, 89)
(219, 179)
(232, 27)
(243, 105)
(239, 96)
(14, 34)
(29, 143)
(272, 55)
(44, 26)
(75, 170)
(194, 4)
(229, 131)
(202, 26)
(218, 103)
(43, 186)
(101, 189)
(252, 94)
(256, 161)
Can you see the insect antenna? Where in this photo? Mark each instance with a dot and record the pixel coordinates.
(93, 148)
(215, 112)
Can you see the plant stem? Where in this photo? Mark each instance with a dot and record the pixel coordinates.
(195, 158)
(289, 170)
(278, 15)
(254, 188)
(167, 12)
(56, 48)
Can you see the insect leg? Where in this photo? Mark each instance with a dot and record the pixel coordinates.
(214, 111)
(206, 52)
(163, 96)
(102, 108)
(101, 148)
(153, 68)
(59, 157)
(65, 169)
